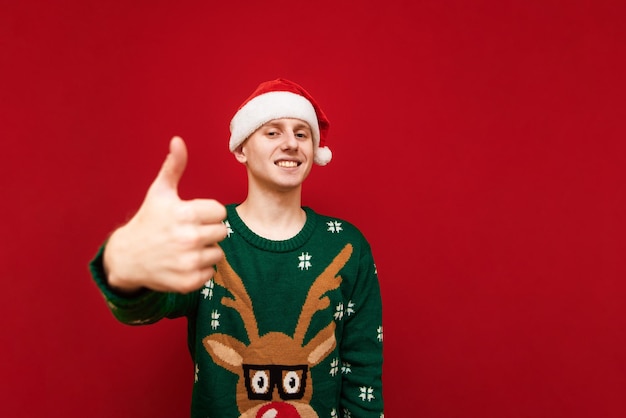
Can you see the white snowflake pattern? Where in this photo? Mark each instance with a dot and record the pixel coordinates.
(196, 373)
(380, 333)
(367, 393)
(207, 291)
(333, 413)
(339, 312)
(350, 308)
(334, 367)
(229, 230)
(215, 316)
(375, 270)
(305, 261)
(346, 413)
(334, 227)
(346, 367)
(382, 415)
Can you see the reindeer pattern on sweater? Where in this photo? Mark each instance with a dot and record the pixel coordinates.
(304, 333)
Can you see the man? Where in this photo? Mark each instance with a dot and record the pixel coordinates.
(283, 304)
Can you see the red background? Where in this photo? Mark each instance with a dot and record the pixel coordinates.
(478, 145)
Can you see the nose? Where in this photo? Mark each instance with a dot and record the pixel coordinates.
(277, 410)
(290, 141)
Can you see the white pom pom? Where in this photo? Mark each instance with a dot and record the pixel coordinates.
(323, 155)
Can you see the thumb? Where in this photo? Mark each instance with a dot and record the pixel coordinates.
(173, 167)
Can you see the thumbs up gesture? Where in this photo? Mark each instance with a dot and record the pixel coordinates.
(169, 245)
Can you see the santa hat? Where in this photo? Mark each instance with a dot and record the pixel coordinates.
(277, 99)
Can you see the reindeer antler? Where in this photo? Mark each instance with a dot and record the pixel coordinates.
(240, 301)
(315, 299)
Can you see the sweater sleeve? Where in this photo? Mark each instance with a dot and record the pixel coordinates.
(362, 345)
(144, 307)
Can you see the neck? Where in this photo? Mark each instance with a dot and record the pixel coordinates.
(276, 215)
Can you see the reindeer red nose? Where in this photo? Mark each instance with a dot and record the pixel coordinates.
(277, 410)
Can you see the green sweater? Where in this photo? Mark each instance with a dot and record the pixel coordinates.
(285, 328)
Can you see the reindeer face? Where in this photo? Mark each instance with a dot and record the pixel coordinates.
(274, 369)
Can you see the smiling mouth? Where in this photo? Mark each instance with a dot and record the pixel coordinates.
(287, 164)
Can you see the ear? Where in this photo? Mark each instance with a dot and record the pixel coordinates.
(225, 351)
(321, 345)
(240, 154)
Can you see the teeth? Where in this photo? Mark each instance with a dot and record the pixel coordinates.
(287, 164)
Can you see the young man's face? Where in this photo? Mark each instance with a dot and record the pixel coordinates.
(278, 155)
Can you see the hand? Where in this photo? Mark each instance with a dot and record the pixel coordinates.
(169, 245)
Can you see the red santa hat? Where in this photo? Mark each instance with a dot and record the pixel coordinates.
(277, 99)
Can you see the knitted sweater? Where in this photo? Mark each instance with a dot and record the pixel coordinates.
(284, 328)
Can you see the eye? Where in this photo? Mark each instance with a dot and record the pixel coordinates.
(260, 382)
(302, 135)
(291, 382)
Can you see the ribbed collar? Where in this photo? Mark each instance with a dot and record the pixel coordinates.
(239, 227)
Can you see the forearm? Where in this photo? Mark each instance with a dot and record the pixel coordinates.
(362, 358)
(362, 347)
(143, 306)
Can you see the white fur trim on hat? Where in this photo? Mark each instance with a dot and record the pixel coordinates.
(269, 106)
